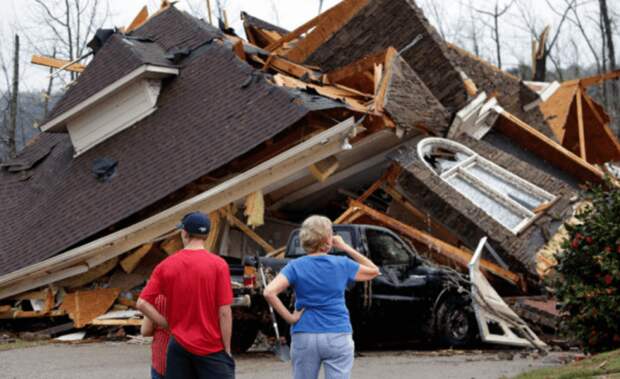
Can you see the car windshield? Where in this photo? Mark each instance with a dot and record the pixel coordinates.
(385, 249)
(297, 251)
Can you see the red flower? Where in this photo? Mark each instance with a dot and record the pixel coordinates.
(575, 243)
(608, 249)
(608, 279)
(578, 236)
(589, 240)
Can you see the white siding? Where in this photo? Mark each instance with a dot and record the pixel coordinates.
(113, 114)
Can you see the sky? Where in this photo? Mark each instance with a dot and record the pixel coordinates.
(454, 19)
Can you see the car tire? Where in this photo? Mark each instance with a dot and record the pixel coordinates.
(244, 334)
(455, 322)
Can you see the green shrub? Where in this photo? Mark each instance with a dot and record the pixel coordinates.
(588, 282)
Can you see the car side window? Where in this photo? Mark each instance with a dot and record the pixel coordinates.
(385, 249)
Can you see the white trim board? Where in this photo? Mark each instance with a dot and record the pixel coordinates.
(281, 166)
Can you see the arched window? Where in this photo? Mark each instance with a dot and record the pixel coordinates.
(507, 198)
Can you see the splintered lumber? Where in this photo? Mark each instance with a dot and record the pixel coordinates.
(172, 244)
(324, 169)
(582, 133)
(124, 281)
(90, 275)
(84, 306)
(56, 63)
(131, 261)
(249, 232)
(5, 309)
(139, 20)
(435, 245)
(17, 314)
(325, 25)
(277, 252)
(255, 209)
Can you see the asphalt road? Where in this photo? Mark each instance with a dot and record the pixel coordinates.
(123, 360)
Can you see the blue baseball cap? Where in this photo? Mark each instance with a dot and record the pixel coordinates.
(195, 223)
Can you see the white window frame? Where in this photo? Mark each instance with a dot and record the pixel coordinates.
(461, 170)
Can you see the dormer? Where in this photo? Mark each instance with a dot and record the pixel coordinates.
(118, 88)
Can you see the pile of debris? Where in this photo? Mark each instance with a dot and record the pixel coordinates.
(342, 116)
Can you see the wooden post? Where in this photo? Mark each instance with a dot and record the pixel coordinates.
(582, 133)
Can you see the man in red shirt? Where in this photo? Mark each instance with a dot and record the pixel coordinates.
(197, 288)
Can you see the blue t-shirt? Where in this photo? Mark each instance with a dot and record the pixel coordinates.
(319, 283)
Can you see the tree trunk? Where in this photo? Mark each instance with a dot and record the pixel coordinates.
(611, 53)
(48, 93)
(497, 44)
(13, 104)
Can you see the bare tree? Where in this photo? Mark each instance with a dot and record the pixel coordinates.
(12, 130)
(68, 25)
(496, 14)
(542, 43)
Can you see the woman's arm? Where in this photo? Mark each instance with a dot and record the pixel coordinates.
(368, 270)
(277, 285)
(147, 329)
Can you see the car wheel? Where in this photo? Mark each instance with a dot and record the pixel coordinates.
(244, 334)
(456, 322)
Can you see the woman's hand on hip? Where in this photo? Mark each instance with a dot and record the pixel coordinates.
(295, 316)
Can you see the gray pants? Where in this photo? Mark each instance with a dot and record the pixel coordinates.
(333, 350)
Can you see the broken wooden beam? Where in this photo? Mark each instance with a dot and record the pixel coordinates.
(249, 232)
(436, 245)
(56, 63)
(324, 169)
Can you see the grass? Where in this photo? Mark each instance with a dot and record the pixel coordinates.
(20, 344)
(606, 365)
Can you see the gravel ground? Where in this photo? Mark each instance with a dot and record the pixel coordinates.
(123, 360)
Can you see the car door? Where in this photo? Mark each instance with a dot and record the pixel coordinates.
(395, 294)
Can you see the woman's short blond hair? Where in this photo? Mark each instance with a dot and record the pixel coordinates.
(315, 233)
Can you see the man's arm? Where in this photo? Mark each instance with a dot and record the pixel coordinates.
(149, 311)
(225, 313)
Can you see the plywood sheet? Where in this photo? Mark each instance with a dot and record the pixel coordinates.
(84, 306)
(557, 108)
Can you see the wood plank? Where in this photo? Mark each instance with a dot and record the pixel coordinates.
(117, 322)
(56, 63)
(436, 245)
(249, 232)
(172, 244)
(582, 132)
(324, 169)
(214, 233)
(603, 123)
(139, 20)
(130, 262)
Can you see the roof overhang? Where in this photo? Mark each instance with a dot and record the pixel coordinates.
(58, 123)
(84, 257)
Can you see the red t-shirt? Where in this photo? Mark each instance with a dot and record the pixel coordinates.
(159, 347)
(195, 283)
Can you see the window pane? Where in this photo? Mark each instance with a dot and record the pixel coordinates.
(492, 207)
(504, 187)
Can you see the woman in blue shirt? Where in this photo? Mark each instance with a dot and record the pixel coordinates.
(321, 331)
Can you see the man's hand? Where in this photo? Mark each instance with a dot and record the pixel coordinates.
(295, 316)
